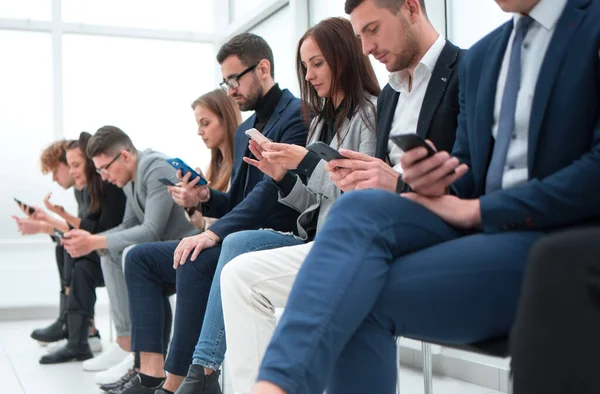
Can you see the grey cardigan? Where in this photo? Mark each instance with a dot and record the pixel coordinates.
(150, 214)
(319, 194)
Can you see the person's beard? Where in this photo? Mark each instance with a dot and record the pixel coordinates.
(255, 95)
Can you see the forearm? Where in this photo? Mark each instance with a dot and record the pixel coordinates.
(58, 224)
(70, 219)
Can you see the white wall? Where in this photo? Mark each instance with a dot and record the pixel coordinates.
(470, 20)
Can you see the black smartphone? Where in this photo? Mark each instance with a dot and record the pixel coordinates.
(408, 142)
(58, 233)
(28, 209)
(166, 182)
(325, 151)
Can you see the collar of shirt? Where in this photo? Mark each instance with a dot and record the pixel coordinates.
(266, 106)
(546, 13)
(399, 80)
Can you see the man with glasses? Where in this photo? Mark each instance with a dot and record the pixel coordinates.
(251, 203)
(150, 215)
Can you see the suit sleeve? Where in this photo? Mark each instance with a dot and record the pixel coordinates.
(158, 208)
(573, 192)
(262, 201)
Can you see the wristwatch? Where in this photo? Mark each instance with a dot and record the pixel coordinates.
(400, 184)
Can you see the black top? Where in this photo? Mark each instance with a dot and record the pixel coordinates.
(266, 106)
(110, 213)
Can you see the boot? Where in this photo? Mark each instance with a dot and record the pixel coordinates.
(197, 383)
(77, 347)
(57, 330)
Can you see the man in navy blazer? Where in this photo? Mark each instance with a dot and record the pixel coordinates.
(446, 262)
(251, 203)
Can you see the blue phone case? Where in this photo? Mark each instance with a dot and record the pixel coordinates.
(179, 164)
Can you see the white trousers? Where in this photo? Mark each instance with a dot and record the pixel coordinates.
(253, 285)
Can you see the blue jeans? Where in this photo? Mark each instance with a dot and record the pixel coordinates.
(210, 349)
(383, 266)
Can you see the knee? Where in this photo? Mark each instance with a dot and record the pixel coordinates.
(134, 261)
(240, 242)
(235, 274)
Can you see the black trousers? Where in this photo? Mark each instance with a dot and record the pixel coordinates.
(555, 341)
(85, 276)
(61, 254)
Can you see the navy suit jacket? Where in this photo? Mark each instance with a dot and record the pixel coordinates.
(439, 111)
(564, 132)
(252, 200)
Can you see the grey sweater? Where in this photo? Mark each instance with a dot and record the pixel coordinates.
(319, 194)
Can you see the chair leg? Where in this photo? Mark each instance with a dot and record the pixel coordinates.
(510, 383)
(111, 331)
(223, 377)
(398, 365)
(427, 368)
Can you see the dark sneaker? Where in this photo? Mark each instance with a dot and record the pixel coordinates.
(121, 382)
(196, 382)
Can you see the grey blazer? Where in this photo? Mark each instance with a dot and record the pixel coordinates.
(150, 214)
(320, 192)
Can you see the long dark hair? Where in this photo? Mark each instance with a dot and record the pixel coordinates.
(217, 102)
(94, 183)
(352, 73)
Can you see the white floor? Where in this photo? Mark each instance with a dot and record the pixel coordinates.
(20, 372)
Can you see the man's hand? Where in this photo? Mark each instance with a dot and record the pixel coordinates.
(57, 209)
(30, 226)
(79, 243)
(275, 171)
(430, 176)
(360, 171)
(287, 156)
(187, 194)
(453, 210)
(194, 245)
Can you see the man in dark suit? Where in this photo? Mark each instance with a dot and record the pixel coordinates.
(250, 204)
(448, 267)
(421, 96)
(555, 341)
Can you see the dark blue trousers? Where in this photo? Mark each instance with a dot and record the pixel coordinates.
(383, 266)
(149, 272)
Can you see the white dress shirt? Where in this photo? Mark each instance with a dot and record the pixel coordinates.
(545, 16)
(409, 105)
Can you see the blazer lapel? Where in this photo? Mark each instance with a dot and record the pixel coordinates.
(436, 87)
(565, 27)
(385, 123)
(486, 95)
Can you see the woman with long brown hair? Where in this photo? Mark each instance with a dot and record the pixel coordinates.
(338, 84)
(217, 117)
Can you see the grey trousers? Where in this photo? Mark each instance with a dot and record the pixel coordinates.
(114, 279)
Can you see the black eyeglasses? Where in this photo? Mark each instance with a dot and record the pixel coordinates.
(234, 82)
(104, 170)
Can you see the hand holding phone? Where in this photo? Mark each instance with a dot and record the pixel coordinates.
(179, 164)
(26, 208)
(257, 136)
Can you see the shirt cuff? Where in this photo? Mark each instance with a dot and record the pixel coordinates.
(308, 164)
(286, 184)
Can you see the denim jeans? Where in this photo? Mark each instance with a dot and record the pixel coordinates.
(210, 349)
(383, 266)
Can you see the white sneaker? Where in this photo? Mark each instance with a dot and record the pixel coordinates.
(112, 356)
(95, 345)
(116, 372)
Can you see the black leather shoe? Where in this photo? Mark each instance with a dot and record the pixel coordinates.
(134, 386)
(196, 382)
(57, 330)
(121, 382)
(77, 347)
(66, 354)
(54, 332)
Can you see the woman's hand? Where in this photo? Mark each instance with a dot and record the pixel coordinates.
(57, 209)
(30, 226)
(275, 171)
(288, 156)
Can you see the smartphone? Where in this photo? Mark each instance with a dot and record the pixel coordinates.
(28, 209)
(166, 182)
(179, 164)
(58, 233)
(257, 136)
(408, 142)
(325, 151)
